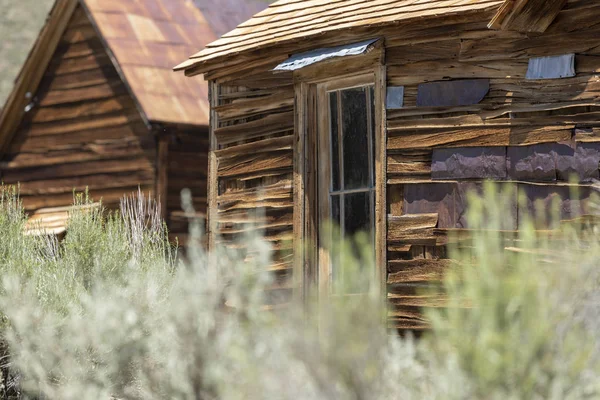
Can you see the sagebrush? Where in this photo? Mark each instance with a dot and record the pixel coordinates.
(111, 311)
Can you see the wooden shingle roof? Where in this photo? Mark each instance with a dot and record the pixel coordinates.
(286, 21)
(146, 38)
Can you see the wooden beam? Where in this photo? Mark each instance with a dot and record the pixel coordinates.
(417, 271)
(162, 173)
(380, 179)
(254, 163)
(396, 200)
(479, 137)
(503, 11)
(269, 125)
(311, 222)
(526, 15)
(213, 184)
(412, 227)
(300, 95)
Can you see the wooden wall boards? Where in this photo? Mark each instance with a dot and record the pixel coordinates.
(461, 109)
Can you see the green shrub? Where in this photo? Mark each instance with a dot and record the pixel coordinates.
(110, 312)
(516, 300)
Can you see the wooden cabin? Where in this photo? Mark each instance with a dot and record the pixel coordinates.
(97, 106)
(382, 115)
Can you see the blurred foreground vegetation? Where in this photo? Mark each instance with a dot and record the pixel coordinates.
(112, 312)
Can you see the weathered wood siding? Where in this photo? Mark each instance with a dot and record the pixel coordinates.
(255, 120)
(516, 113)
(84, 130)
(254, 154)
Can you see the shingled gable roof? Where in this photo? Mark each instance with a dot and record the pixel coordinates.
(286, 21)
(145, 38)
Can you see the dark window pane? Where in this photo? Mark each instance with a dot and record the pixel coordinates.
(357, 213)
(335, 210)
(372, 122)
(335, 219)
(357, 210)
(355, 143)
(335, 150)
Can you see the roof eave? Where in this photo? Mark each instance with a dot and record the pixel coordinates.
(208, 60)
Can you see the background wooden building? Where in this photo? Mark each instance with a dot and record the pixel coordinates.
(97, 105)
(383, 114)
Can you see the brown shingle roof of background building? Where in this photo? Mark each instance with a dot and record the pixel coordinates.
(146, 37)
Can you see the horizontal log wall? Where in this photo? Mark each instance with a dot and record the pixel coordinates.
(425, 206)
(254, 173)
(84, 130)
